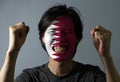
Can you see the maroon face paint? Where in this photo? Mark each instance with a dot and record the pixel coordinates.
(62, 39)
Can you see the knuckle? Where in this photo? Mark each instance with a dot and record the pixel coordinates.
(109, 33)
(27, 29)
(97, 26)
(12, 27)
(20, 23)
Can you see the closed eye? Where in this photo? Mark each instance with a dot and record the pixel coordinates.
(51, 31)
(67, 32)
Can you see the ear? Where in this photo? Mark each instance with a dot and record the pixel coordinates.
(42, 39)
(77, 41)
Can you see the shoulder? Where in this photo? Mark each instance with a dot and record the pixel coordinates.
(89, 70)
(35, 69)
(87, 67)
(32, 74)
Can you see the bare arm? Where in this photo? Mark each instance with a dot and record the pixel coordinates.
(101, 38)
(17, 37)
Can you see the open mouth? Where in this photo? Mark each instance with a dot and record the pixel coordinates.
(59, 49)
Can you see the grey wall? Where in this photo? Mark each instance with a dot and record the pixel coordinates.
(103, 12)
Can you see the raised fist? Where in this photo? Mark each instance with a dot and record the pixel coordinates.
(101, 38)
(17, 36)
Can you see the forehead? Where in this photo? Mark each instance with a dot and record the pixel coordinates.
(64, 22)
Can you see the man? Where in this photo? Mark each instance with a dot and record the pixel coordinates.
(60, 30)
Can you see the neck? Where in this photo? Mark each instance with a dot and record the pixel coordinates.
(61, 68)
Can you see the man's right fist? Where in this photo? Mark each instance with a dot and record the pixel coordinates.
(17, 36)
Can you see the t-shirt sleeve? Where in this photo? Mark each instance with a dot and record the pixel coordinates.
(94, 74)
(100, 77)
(23, 77)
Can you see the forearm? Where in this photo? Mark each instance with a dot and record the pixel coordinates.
(17, 37)
(8, 68)
(110, 70)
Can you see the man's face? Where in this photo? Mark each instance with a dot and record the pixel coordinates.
(60, 39)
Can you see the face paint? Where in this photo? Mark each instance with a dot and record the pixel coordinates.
(60, 39)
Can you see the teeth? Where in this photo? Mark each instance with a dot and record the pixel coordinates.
(59, 49)
(56, 42)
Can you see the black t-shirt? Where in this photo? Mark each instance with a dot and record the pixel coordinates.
(80, 73)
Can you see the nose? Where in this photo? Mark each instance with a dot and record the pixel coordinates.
(60, 36)
(61, 33)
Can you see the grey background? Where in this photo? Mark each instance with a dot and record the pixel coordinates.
(103, 12)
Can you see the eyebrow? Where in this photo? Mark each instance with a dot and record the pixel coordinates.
(52, 27)
(54, 22)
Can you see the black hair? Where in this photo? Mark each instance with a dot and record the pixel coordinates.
(60, 10)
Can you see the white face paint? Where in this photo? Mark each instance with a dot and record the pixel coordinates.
(60, 39)
(49, 40)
